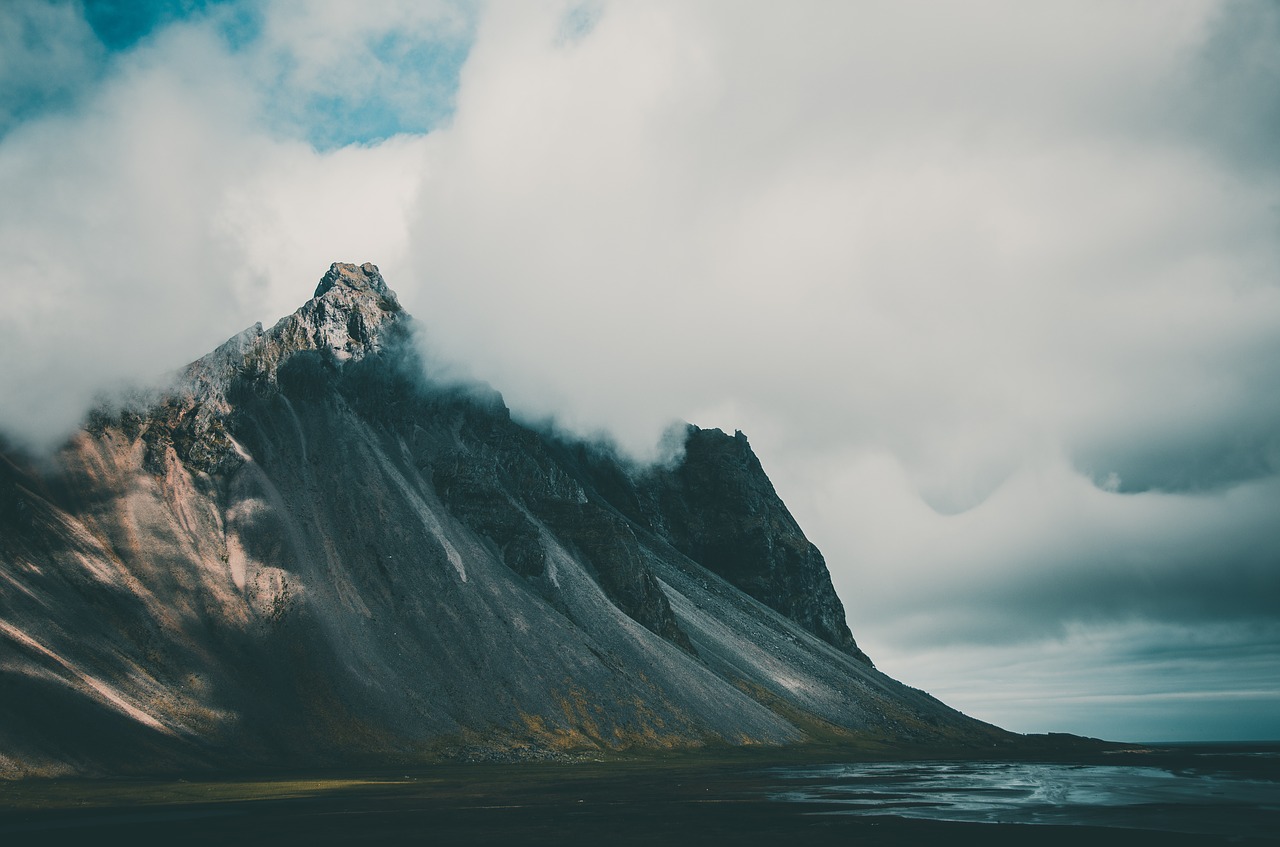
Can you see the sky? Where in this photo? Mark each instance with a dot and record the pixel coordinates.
(992, 287)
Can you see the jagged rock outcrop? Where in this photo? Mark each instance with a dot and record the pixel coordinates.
(720, 509)
(306, 552)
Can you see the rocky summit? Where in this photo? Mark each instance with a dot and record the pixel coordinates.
(306, 552)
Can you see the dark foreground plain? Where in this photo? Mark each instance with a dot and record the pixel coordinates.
(1212, 795)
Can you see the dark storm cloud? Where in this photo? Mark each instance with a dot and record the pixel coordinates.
(1236, 84)
(1133, 680)
(1226, 102)
(1052, 551)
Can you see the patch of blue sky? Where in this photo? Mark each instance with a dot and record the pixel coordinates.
(396, 82)
(120, 24)
(333, 122)
(240, 25)
(411, 87)
(48, 55)
(54, 54)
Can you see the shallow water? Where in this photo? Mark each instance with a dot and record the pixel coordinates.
(1224, 792)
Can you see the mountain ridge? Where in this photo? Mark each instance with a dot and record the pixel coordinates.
(308, 552)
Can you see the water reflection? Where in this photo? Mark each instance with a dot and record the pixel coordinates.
(1185, 800)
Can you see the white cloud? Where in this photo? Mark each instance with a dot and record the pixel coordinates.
(780, 211)
(47, 53)
(143, 229)
(387, 65)
(951, 268)
(932, 261)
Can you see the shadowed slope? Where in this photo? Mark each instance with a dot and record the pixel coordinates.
(306, 553)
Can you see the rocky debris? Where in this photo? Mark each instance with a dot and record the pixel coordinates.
(476, 754)
(610, 545)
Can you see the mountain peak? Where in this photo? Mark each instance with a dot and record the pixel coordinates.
(305, 556)
(358, 279)
(345, 319)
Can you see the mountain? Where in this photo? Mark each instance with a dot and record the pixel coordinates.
(307, 553)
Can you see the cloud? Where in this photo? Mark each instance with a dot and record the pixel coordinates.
(1236, 79)
(1057, 603)
(657, 205)
(142, 228)
(953, 280)
(992, 289)
(1046, 550)
(369, 71)
(48, 53)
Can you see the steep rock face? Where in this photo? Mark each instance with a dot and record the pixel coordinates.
(719, 508)
(307, 553)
